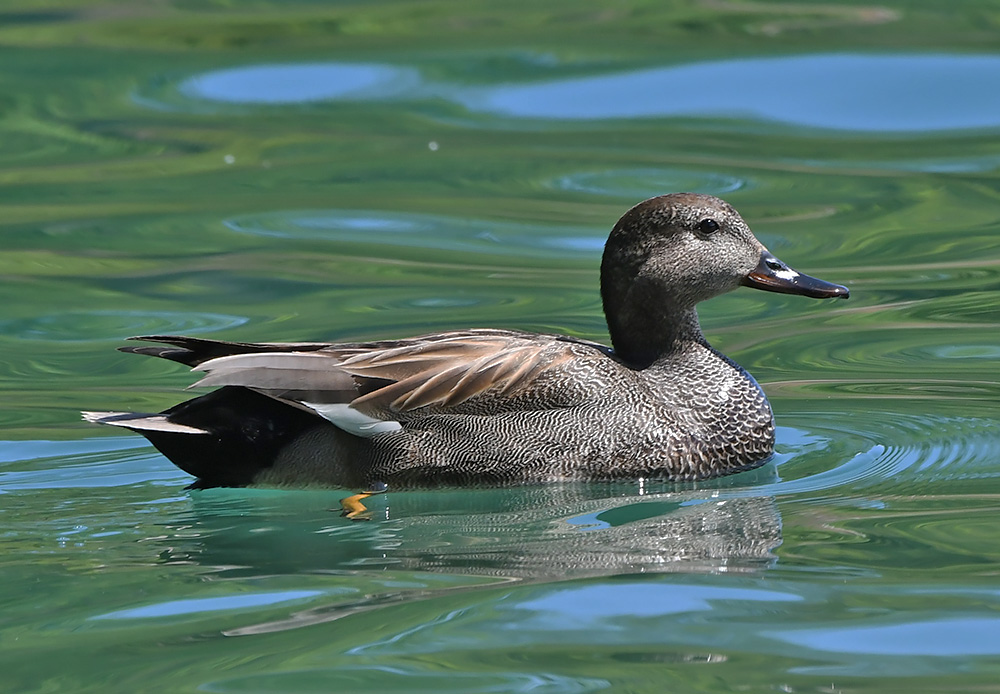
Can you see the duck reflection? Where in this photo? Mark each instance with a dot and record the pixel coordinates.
(544, 532)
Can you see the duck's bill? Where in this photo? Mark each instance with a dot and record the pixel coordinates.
(772, 275)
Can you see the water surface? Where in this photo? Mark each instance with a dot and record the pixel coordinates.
(342, 171)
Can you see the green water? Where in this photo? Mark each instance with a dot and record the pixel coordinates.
(323, 171)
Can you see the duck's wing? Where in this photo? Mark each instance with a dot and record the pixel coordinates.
(400, 376)
(193, 351)
(380, 379)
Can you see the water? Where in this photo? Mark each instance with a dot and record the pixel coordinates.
(313, 172)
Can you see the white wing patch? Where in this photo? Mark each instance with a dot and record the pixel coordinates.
(140, 422)
(352, 421)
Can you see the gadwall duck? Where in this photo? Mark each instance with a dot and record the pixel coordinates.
(499, 406)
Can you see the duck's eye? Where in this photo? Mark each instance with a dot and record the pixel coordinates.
(708, 226)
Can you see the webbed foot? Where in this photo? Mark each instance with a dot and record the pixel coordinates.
(351, 507)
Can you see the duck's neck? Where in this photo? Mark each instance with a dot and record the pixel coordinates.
(644, 337)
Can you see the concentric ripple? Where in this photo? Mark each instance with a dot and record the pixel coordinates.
(636, 184)
(880, 450)
(424, 307)
(73, 326)
(412, 230)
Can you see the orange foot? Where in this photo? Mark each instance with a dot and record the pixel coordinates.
(352, 508)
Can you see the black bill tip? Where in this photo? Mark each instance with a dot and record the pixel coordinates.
(772, 275)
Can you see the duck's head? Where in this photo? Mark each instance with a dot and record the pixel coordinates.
(670, 252)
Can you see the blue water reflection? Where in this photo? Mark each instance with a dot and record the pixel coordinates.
(866, 93)
(581, 607)
(970, 636)
(844, 92)
(176, 608)
(289, 84)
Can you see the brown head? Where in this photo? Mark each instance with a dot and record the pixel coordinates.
(670, 252)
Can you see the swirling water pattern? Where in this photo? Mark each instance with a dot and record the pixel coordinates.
(334, 171)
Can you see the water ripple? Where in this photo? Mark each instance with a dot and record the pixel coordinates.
(636, 184)
(412, 230)
(88, 464)
(242, 602)
(93, 326)
(397, 678)
(891, 449)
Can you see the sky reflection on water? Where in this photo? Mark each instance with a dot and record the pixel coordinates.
(299, 83)
(946, 637)
(854, 92)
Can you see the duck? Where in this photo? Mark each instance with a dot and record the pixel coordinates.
(489, 406)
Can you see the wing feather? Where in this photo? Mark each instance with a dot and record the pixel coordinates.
(275, 379)
(386, 378)
(430, 391)
(476, 381)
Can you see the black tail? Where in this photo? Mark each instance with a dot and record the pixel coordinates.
(225, 439)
